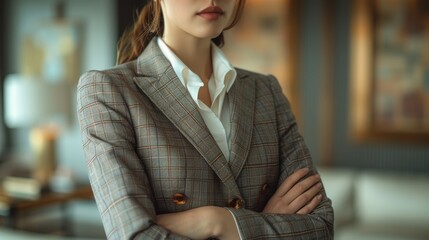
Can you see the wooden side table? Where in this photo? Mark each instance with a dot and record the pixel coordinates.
(11, 208)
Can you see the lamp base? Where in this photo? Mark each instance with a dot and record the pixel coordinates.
(44, 149)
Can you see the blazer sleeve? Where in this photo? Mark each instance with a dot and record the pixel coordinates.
(117, 176)
(293, 156)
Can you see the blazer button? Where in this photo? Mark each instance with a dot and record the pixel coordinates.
(265, 189)
(179, 199)
(236, 203)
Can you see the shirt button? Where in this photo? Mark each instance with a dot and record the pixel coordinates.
(179, 199)
(236, 203)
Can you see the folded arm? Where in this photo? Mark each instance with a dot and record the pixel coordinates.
(298, 194)
(294, 155)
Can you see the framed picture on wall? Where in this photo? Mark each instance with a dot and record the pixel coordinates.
(390, 70)
(266, 41)
(52, 48)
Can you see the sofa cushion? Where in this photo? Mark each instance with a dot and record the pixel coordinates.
(393, 199)
(338, 184)
(381, 232)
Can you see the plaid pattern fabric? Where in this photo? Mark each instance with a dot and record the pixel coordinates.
(145, 141)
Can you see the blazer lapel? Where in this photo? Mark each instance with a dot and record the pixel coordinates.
(242, 100)
(160, 83)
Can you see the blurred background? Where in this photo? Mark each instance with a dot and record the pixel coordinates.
(355, 71)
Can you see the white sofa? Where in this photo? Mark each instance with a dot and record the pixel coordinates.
(376, 205)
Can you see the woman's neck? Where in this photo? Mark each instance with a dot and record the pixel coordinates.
(195, 53)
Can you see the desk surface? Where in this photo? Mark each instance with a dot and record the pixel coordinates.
(11, 208)
(8, 204)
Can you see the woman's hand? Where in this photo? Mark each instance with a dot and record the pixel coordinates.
(295, 196)
(201, 223)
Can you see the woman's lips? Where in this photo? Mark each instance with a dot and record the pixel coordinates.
(211, 13)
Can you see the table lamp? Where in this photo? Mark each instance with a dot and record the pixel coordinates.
(41, 106)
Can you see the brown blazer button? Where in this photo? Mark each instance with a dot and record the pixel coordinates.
(236, 203)
(265, 189)
(179, 199)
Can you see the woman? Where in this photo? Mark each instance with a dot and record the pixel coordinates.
(181, 145)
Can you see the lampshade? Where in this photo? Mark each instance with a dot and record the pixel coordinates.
(30, 101)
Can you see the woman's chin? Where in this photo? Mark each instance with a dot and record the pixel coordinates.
(208, 33)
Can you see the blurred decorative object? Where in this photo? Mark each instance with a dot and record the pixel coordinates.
(266, 41)
(63, 180)
(21, 187)
(42, 140)
(43, 107)
(52, 49)
(390, 70)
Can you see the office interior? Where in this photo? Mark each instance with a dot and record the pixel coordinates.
(375, 169)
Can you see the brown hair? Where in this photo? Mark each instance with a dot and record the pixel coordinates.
(149, 24)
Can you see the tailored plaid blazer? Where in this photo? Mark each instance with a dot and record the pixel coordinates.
(148, 152)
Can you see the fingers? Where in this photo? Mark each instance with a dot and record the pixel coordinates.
(291, 181)
(307, 198)
(311, 205)
(300, 189)
(298, 194)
